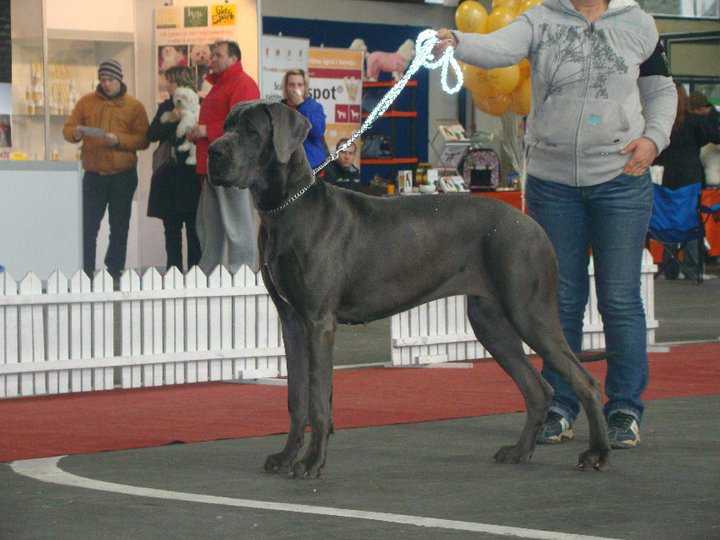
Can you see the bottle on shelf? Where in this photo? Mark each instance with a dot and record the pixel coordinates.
(29, 104)
(72, 97)
(36, 88)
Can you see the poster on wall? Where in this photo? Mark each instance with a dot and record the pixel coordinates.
(336, 82)
(280, 54)
(183, 36)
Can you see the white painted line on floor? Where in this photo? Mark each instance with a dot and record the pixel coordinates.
(47, 470)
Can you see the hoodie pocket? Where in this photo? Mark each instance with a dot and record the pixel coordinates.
(555, 121)
(604, 128)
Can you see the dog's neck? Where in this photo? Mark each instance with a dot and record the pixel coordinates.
(283, 184)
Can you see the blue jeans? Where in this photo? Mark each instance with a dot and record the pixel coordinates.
(611, 219)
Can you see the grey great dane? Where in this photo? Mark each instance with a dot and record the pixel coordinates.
(332, 256)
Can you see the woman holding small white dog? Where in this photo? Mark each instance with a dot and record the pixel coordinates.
(175, 187)
(295, 94)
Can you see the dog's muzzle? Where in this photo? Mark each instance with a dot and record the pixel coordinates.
(219, 161)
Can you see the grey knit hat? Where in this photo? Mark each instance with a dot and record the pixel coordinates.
(110, 68)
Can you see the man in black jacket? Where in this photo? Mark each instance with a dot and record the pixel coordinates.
(342, 172)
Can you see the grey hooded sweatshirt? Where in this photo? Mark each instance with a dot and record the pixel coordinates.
(589, 96)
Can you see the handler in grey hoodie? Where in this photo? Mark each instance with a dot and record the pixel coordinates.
(603, 108)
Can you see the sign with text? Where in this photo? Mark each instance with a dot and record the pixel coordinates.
(183, 36)
(336, 82)
(278, 55)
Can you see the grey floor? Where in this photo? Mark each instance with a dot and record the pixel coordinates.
(665, 489)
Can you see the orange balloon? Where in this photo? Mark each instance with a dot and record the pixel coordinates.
(499, 17)
(521, 98)
(494, 105)
(527, 4)
(471, 16)
(504, 79)
(524, 66)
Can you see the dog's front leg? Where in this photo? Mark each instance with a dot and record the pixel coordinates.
(296, 353)
(297, 367)
(321, 336)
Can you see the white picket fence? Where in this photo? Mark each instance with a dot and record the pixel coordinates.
(78, 335)
(440, 331)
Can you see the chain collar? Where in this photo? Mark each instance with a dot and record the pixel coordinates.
(291, 199)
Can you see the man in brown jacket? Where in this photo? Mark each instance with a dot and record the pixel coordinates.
(112, 127)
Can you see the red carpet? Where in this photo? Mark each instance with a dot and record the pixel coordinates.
(121, 419)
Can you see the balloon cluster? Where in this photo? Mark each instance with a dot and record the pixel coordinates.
(497, 90)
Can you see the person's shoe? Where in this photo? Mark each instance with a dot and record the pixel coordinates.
(556, 429)
(623, 430)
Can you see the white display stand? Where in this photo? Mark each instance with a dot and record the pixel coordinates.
(40, 217)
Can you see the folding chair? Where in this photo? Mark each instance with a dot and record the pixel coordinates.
(676, 219)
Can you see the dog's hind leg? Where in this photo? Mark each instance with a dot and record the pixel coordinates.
(545, 336)
(321, 334)
(501, 340)
(294, 338)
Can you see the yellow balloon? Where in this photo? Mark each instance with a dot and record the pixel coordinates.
(510, 4)
(494, 105)
(521, 98)
(499, 17)
(505, 79)
(471, 16)
(524, 66)
(527, 4)
(471, 75)
(482, 91)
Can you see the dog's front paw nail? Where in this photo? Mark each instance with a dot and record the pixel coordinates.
(594, 459)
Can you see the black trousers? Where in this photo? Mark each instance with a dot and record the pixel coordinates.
(173, 240)
(115, 192)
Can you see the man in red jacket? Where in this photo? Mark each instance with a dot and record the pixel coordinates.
(224, 213)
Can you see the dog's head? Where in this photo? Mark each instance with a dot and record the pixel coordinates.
(185, 99)
(260, 139)
(200, 55)
(358, 45)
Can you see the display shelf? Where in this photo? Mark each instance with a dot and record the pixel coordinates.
(51, 70)
(412, 83)
(398, 131)
(396, 114)
(389, 161)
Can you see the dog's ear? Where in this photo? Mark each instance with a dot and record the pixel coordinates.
(289, 130)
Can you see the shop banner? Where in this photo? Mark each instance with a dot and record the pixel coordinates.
(280, 54)
(336, 82)
(183, 36)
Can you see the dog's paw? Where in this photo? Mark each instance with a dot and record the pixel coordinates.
(278, 463)
(512, 454)
(308, 467)
(594, 459)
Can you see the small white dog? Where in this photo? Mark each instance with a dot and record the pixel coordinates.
(187, 104)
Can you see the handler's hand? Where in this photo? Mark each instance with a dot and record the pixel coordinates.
(446, 39)
(642, 154)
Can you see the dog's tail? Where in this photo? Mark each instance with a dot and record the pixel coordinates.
(591, 356)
